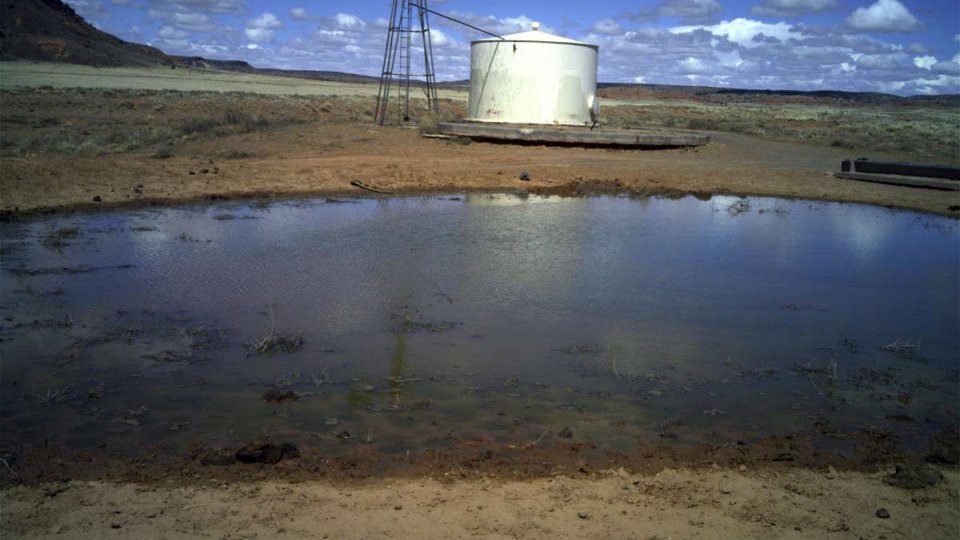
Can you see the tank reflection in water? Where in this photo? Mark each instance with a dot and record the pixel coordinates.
(409, 323)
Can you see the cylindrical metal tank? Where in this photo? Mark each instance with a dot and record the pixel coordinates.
(533, 78)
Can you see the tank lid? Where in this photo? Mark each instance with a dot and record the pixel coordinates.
(538, 36)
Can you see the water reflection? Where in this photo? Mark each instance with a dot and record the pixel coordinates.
(496, 315)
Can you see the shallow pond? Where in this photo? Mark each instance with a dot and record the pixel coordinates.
(408, 323)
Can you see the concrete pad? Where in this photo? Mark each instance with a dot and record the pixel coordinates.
(572, 135)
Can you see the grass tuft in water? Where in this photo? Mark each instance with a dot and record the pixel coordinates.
(273, 342)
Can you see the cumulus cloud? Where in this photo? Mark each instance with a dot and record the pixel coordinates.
(924, 62)
(262, 28)
(212, 6)
(167, 32)
(607, 26)
(691, 65)
(884, 16)
(792, 8)
(690, 10)
(743, 31)
(345, 20)
(500, 26)
(299, 14)
(193, 22)
(878, 62)
(916, 48)
(948, 68)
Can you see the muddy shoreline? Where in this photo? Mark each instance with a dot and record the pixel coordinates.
(569, 189)
(866, 450)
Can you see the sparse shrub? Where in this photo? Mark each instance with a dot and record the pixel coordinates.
(162, 152)
(429, 123)
(234, 154)
(48, 121)
(198, 125)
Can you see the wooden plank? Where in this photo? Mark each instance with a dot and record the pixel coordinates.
(547, 134)
(898, 180)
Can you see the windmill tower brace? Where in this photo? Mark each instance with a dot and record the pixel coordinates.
(533, 78)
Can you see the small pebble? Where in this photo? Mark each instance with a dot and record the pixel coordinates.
(97, 199)
(882, 513)
(398, 507)
(582, 515)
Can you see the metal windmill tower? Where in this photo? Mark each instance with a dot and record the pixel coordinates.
(407, 17)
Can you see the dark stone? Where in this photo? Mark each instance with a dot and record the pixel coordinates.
(914, 476)
(565, 433)
(524, 176)
(882, 513)
(262, 450)
(276, 396)
(97, 199)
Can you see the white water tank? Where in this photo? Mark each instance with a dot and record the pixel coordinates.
(533, 78)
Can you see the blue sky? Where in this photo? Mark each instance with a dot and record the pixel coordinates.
(895, 46)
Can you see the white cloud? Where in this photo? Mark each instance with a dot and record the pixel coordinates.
(193, 22)
(884, 16)
(792, 8)
(188, 6)
(299, 14)
(917, 48)
(438, 38)
(345, 20)
(607, 26)
(267, 21)
(262, 28)
(743, 31)
(924, 62)
(692, 10)
(878, 62)
(499, 26)
(167, 32)
(691, 65)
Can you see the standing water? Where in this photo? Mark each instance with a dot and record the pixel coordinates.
(407, 323)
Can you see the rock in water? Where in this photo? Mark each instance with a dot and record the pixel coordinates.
(262, 450)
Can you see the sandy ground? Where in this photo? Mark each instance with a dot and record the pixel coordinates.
(324, 159)
(670, 504)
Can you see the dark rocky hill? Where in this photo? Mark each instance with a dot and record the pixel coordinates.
(51, 31)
